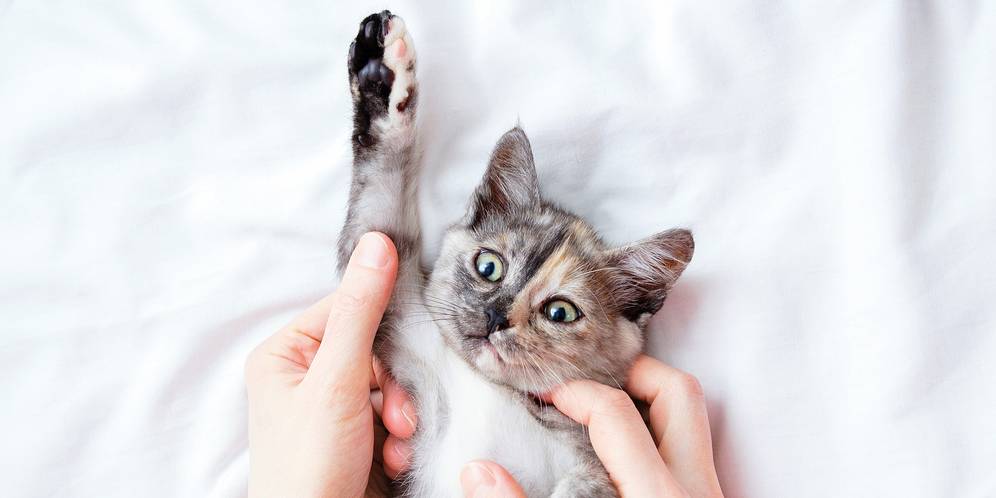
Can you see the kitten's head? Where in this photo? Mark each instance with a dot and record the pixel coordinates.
(529, 295)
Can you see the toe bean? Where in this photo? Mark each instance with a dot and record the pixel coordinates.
(386, 75)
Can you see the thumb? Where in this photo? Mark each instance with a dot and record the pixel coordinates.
(486, 479)
(357, 308)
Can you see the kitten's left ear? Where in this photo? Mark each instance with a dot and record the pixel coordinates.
(648, 269)
(510, 182)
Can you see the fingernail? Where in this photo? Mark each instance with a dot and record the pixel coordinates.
(408, 410)
(371, 252)
(477, 480)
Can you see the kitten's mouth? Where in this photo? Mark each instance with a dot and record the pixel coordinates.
(487, 347)
(481, 345)
(486, 356)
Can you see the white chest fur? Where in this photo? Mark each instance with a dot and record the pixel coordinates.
(463, 417)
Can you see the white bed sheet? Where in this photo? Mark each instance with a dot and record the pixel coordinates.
(173, 176)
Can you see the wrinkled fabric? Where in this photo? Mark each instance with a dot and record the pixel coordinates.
(173, 177)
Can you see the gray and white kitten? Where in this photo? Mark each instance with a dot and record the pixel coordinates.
(524, 296)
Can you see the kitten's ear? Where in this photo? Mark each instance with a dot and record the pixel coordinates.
(510, 182)
(648, 269)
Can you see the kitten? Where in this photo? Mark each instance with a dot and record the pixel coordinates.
(524, 296)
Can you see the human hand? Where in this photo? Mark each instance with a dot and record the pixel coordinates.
(311, 413)
(680, 464)
(397, 411)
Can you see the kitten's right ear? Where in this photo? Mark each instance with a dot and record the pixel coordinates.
(647, 269)
(510, 184)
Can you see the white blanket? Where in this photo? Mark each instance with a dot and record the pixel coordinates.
(173, 177)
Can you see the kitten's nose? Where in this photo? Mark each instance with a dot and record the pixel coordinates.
(496, 322)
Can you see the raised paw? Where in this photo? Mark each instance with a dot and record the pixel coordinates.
(381, 73)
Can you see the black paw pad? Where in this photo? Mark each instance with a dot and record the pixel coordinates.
(367, 52)
(375, 72)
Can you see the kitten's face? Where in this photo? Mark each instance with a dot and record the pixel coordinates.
(527, 302)
(530, 297)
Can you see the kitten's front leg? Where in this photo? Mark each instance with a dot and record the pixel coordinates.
(384, 191)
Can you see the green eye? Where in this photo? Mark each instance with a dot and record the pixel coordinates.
(559, 310)
(489, 265)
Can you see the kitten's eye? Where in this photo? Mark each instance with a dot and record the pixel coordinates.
(489, 266)
(559, 310)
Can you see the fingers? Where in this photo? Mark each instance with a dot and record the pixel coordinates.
(619, 437)
(486, 479)
(396, 452)
(399, 412)
(680, 422)
(343, 357)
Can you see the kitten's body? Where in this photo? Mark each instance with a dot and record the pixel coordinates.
(468, 347)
